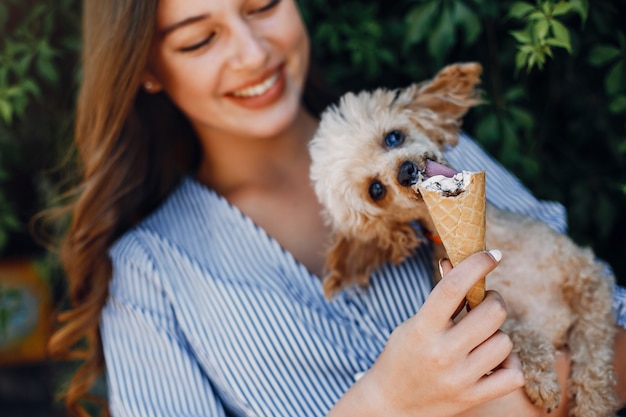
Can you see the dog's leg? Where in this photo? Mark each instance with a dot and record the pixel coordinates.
(592, 382)
(537, 355)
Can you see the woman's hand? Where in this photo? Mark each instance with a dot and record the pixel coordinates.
(434, 367)
(517, 404)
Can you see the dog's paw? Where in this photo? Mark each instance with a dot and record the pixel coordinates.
(543, 388)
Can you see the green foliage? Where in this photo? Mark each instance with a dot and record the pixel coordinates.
(38, 49)
(554, 87)
(543, 31)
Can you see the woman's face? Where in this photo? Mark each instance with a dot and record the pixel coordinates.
(234, 67)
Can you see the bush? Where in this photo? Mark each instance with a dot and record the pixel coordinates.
(38, 61)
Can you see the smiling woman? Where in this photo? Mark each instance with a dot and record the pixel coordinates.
(197, 244)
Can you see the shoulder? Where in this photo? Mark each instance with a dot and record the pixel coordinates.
(177, 217)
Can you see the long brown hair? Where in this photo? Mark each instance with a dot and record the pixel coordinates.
(133, 148)
(129, 160)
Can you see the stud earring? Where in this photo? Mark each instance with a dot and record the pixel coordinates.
(148, 85)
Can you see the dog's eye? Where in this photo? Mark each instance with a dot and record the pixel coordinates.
(377, 191)
(394, 138)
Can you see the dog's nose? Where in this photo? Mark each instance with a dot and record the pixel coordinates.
(408, 174)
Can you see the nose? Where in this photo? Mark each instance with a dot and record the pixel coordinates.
(408, 173)
(249, 47)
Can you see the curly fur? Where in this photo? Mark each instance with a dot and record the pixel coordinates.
(557, 294)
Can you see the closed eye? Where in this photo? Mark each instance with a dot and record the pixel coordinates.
(198, 45)
(269, 6)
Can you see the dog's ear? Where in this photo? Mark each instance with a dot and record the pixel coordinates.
(351, 260)
(440, 103)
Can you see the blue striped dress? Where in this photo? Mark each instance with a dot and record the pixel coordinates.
(209, 316)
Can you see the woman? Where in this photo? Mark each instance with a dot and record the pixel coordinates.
(196, 242)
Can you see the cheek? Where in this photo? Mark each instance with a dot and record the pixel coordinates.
(289, 35)
(189, 83)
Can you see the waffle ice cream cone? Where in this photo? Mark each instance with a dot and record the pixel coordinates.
(459, 217)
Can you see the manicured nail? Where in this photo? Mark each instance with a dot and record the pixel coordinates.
(495, 254)
(440, 268)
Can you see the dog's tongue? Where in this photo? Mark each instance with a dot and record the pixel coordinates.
(434, 168)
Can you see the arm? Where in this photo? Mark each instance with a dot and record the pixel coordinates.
(150, 369)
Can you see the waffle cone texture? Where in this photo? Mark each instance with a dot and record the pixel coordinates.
(460, 223)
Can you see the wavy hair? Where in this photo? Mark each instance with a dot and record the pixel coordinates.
(129, 160)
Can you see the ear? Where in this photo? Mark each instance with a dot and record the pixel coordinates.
(150, 82)
(447, 97)
(452, 92)
(350, 261)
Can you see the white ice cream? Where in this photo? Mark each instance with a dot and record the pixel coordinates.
(448, 186)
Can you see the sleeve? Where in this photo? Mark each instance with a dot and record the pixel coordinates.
(150, 369)
(506, 191)
(619, 305)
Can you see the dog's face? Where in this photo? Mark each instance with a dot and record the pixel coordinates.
(367, 154)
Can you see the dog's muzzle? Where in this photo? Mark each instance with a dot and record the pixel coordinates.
(408, 174)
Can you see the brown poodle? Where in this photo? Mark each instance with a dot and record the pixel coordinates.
(368, 154)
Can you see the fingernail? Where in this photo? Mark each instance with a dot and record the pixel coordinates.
(495, 254)
(440, 268)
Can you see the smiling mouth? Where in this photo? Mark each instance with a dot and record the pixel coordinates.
(259, 89)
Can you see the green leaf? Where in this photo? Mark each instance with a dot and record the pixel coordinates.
(618, 105)
(521, 36)
(487, 130)
(469, 21)
(614, 81)
(561, 34)
(6, 112)
(540, 16)
(581, 7)
(514, 93)
(521, 60)
(523, 118)
(29, 86)
(562, 8)
(47, 70)
(558, 43)
(541, 29)
(519, 10)
(419, 21)
(603, 54)
(442, 37)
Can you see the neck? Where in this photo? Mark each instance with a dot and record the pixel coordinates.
(230, 164)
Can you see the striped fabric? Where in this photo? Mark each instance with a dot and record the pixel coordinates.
(209, 316)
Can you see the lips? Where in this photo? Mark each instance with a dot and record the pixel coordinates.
(258, 89)
(260, 93)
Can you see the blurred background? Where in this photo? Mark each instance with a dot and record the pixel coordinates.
(555, 115)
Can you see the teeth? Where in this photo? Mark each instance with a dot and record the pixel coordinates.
(257, 90)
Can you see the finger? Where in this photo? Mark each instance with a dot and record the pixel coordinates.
(481, 322)
(450, 291)
(444, 267)
(505, 379)
(490, 355)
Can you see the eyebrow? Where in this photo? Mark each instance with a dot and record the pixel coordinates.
(170, 28)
